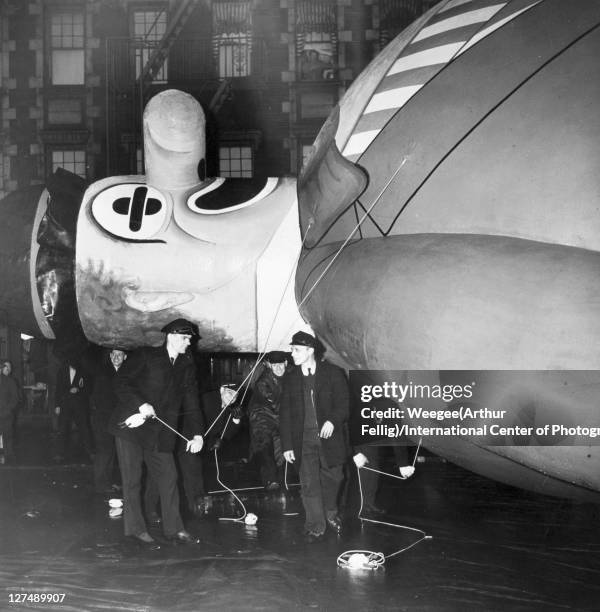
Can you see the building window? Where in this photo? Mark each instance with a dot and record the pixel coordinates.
(232, 38)
(316, 40)
(149, 28)
(234, 56)
(71, 160)
(235, 162)
(65, 112)
(67, 52)
(316, 104)
(316, 59)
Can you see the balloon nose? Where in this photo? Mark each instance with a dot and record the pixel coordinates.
(174, 140)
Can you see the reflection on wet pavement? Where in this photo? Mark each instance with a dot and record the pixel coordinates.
(493, 548)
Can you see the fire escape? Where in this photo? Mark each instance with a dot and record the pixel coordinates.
(133, 76)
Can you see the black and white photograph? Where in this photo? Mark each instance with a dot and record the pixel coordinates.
(300, 305)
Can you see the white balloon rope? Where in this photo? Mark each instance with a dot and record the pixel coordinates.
(367, 559)
(239, 519)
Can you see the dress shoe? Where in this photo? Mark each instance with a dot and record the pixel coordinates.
(272, 486)
(146, 540)
(335, 524)
(184, 537)
(312, 536)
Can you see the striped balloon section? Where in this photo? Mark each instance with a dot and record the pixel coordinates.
(453, 29)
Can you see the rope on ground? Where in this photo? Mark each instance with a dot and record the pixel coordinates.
(367, 559)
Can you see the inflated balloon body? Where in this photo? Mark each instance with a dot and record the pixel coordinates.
(450, 219)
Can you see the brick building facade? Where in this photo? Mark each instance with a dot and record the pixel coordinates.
(76, 74)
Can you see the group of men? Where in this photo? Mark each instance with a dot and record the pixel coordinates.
(297, 414)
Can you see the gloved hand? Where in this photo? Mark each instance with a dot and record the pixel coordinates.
(216, 445)
(228, 396)
(135, 420)
(327, 430)
(289, 456)
(407, 471)
(236, 412)
(195, 444)
(147, 410)
(360, 460)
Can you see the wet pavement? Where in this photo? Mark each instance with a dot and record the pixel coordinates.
(493, 547)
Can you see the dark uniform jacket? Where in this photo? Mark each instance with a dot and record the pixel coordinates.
(147, 376)
(266, 394)
(9, 395)
(104, 398)
(331, 404)
(63, 396)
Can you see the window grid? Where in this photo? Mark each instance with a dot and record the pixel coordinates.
(71, 160)
(67, 30)
(234, 55)
(235, 162)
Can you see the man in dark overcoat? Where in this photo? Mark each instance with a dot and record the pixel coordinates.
(10, 397)
(313, 415)
(72, 405)
(103, 402)
(263, 415)
(156, 381)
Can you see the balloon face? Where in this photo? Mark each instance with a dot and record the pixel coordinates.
(167, 244)
(113, 262)
(146, 255)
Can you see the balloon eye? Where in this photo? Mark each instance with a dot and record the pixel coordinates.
(121, 206)
(135, 212)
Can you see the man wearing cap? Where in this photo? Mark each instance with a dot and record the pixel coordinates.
(263, 414)
(313, 415)
(156, 382)
(102, 404)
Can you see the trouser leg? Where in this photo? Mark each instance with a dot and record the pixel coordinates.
(82, 420)
(331, 480)
(162, 470)
(310, 490)
(268, 469)
(131, 456)
(370, 480)
(190, 465)
(65, 425)
(151, 494)
(105, 455)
